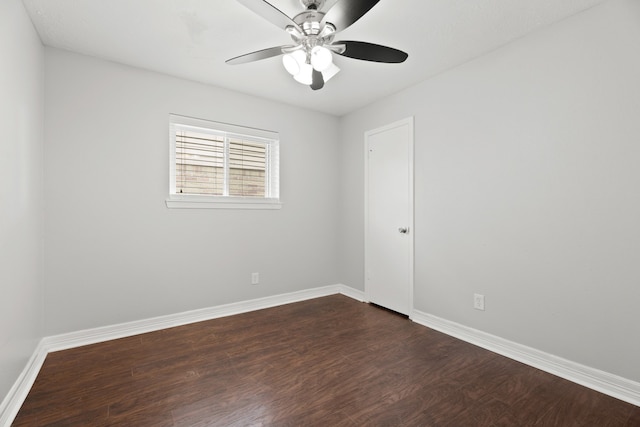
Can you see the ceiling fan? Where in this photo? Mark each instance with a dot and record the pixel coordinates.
(309, 59)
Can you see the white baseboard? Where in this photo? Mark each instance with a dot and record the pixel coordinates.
(604, 382)
(18, 393)
(106, 333)
(351, 293)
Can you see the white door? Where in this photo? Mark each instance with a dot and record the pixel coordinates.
(389, 216)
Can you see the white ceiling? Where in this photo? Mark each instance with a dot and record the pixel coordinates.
(193, 38)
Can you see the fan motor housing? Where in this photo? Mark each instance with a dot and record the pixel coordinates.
(309, 21)
(312, 4)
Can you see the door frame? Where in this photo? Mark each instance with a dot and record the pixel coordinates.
(409, 121)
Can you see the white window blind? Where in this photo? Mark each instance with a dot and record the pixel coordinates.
(221, 163)
(199, 163)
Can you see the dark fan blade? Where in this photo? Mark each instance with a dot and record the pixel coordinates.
(256, 56)
(372, 52)
(346, 12)
(270, 13)
(318, 80)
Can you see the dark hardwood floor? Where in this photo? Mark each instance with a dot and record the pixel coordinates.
(330, 361)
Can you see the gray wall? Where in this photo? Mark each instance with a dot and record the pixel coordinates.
(21, 190)
(526, 189)
(116, 253)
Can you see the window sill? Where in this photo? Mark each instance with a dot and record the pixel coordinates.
(196, 202)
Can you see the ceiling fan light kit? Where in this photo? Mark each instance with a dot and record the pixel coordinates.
(310, 59)
(301, 67)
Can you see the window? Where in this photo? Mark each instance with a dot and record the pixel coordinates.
(217, 165)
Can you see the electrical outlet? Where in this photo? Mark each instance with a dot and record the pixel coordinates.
(478, 301)
(255, 278)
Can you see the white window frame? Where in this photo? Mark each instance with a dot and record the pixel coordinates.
(193, 201)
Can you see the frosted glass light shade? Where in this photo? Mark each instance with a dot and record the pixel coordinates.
(290, 64)
(321, 58)
(305, 76)
(300, 56)
(330, 72)
(293, 61)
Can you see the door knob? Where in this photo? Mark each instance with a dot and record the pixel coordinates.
(403, 230)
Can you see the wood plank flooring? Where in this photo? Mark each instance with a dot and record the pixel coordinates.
(330, 361)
